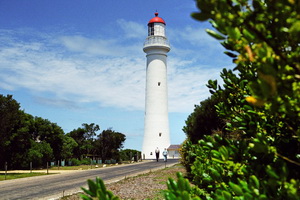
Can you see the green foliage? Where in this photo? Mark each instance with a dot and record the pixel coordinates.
(40, 153)
(188, 155)
(85, 161)
(69, 144)
(13, 142)
(97, 190)
(78, 136)
(45, 132)
(204, 120)
(180, 189)
(259, 157)
(25, 139)
(75, 162)
(228, 168)
(127, 154)
(85, 138)
(108, 144)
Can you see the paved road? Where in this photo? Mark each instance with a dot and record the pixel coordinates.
(54, 186)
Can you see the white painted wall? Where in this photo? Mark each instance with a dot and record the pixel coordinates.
(173, 154)
(156, 130)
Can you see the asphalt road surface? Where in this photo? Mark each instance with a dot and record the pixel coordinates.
(58, 185)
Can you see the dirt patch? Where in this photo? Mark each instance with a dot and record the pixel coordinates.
(145, 186)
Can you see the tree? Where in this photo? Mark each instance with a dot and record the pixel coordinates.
(40, 153)
(42, 130)
(90, 133)
(203, 121)
(84, 137)
(14, 141)
(127, 154)
(69, 144)
(78, 136)
(109, 143)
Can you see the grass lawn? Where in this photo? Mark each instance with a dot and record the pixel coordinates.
(19, 175)
(52, 169)
(80, 167)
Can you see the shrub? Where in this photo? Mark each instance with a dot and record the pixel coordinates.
(75, 162)
(85, 161)
(260, 103)
(97, 190)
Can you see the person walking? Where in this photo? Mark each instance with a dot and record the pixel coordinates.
(157, 154)
(165, 154)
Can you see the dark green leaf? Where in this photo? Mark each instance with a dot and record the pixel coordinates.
(232, 55)
(200, 16)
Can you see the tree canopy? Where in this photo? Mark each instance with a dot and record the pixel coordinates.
(204, 120)
(85, 138)
(109, 143)
(25, 139)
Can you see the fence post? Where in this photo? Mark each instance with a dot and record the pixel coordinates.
(130, 155)
(30, 167)
(5, 167)
(47, 168)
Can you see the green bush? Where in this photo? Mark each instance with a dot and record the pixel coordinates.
(128, 154)
(85, 161)
(180, 189)
(220, 171)
(97, 190)
(204, 120)
(75, 162)
(259, 158)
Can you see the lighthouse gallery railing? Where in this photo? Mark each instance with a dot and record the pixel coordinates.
(156, 39)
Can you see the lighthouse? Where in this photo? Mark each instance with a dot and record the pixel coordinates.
(156, 127)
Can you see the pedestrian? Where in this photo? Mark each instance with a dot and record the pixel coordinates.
(157, 154)
(165, 154)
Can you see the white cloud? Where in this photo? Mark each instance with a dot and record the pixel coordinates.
(133, 29)
(194, 43)
(187, 85)
(116, 81)
(78, 69)
(195, 36)
(102, 47)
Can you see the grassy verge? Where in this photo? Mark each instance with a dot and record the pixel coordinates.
(52, 169)
(19, 175)
(80, 167)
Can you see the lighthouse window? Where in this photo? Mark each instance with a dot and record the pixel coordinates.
(150, 29)
(158, 83)
(159, 134)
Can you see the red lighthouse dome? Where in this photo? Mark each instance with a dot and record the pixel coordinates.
(156, 19)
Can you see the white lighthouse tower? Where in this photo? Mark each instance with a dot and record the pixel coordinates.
(156, 129)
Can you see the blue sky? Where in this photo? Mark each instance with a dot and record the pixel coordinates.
(77, 61)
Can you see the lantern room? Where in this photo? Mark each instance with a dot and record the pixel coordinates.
(156, 26)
